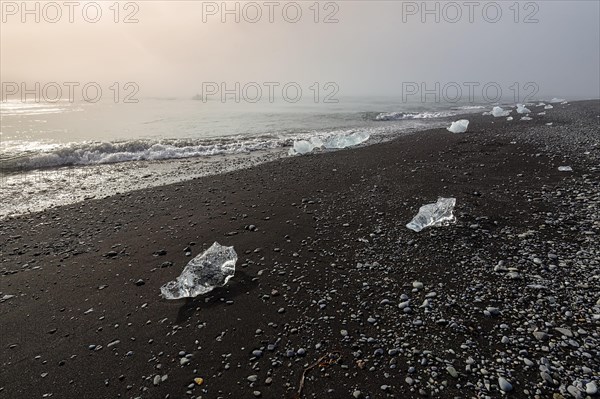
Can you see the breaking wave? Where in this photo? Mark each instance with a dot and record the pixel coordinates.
(95, 153)
(396, 116)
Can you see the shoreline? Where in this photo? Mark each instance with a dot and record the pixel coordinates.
(57, 186)
(331, 254)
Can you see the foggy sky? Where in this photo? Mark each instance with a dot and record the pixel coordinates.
(370, 51)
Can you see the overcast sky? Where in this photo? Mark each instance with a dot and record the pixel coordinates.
(372, 49)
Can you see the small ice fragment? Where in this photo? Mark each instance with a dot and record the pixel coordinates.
(459, 126)
(510, 118)
(334, 142)
(316, 141)
(6, 297)
(498, 112)
(346, 140)
(302, 147)
(548, 106)
(209, 270)
(522, 110)
(526, 118)
(542, 113)
(565, 169)
(549, 124)
(435, 214)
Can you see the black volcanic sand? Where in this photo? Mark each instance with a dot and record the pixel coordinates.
(330, 255)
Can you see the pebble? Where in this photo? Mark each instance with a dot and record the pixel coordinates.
(452, 371)
(546, 377)
(574, 391)
(493, 311)
(564, 331)
(504, 384)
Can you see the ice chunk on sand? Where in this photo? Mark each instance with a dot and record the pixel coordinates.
(565, 169)
(510, 118)
(522, 110)
(459, 126)
(209, 270)
(548, 106)
(316, 141)
(542, 113)
(498, 112)
(334, 142)
(301, 147)
(434, 214)
(526, 118)
(346, 140)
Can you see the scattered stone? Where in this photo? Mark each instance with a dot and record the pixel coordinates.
(540, 335)
(452, 371)
(564, 331)
(504, 384)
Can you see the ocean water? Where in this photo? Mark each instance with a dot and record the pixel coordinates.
(63, 152)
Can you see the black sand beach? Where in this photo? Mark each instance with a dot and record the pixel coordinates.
(507, 294)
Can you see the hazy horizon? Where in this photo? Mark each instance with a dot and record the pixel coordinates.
(374, 49)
